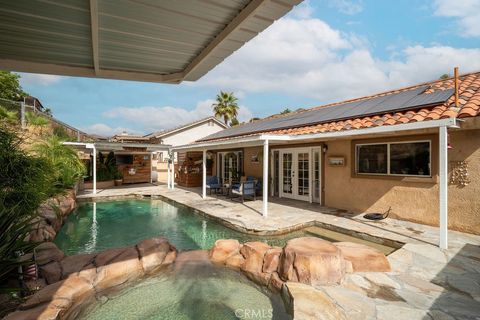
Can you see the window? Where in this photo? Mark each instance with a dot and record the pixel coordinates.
(394, 158)
(372, 158)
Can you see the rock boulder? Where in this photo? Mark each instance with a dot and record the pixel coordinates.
(152, 253)
(312, 261)
(363, 258)
(223, 249)
(47, 252)
(254, 253)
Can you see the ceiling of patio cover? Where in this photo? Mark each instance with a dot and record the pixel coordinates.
(142, 40)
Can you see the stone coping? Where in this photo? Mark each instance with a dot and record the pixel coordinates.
(252, 230)
(290, 215)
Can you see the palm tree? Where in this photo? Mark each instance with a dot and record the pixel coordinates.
(67, 165)
(225, 106)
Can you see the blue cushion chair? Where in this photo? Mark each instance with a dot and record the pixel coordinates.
(213, 183)
(245, 189)
(259, 186)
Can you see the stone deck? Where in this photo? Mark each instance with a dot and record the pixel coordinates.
(425, 282)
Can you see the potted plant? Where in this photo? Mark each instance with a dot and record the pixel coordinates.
(118, 178)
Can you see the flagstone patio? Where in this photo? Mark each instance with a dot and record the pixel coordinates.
(425, 282)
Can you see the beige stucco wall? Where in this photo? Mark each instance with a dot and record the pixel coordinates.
(254, 169)
(414, 201)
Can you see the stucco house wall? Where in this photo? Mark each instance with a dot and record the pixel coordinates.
(410, 200)
(181, 137)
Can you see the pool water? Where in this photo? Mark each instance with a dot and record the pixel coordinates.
(95, 227)
(196, 291)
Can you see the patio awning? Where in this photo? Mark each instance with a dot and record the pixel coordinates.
(140, 40)
(258, 139)
(118, 146)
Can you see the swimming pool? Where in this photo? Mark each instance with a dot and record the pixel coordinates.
(192, 290)
(94, 227)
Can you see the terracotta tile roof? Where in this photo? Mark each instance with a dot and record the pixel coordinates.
(469, 106)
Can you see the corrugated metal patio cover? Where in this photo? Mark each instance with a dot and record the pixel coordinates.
(143, 40)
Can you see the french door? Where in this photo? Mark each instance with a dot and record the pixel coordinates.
(230, 165)
(295, 177)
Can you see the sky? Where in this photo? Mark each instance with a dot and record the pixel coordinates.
(322, 51)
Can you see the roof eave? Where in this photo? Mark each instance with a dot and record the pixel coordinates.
(258, 139)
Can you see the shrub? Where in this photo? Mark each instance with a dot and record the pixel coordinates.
(25, 182)
(10, 117)
(107, 167)
(34, 120)
(62, 134)
(64, 159)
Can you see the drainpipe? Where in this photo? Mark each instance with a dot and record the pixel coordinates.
(443, 185)
(265, 179)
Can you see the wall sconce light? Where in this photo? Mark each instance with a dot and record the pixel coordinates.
(325, 148)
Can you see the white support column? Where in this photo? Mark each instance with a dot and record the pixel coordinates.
(443, 185)
(94, 170)
(272, 165)
(168, 174)
(173, 170)
(265, 179)
(204, 174)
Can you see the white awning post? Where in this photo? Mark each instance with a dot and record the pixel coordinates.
(173, 170)
(265, 179)
(94, 170)
(443, 185)
(168, 174)
(204, 175)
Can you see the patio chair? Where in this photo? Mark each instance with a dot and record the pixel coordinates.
(213, 183)
(259, 186)
(245, 189)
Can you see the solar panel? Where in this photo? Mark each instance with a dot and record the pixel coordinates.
(405, 100)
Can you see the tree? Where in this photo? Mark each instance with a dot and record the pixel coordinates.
(234, 122)
(444, 76)
(10, 88)
(285, 111)
(68, 168)
(226, 106)
(25, 182)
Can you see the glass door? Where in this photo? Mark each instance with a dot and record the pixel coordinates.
(286, 178)
(317, 183)
(302, 182)
(295, 174)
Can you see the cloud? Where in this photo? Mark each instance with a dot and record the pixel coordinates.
(107, 131)
(38, 79)
(312, 59)
(303, 11)
(350, 7)
(466, 11)
(152, 118)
